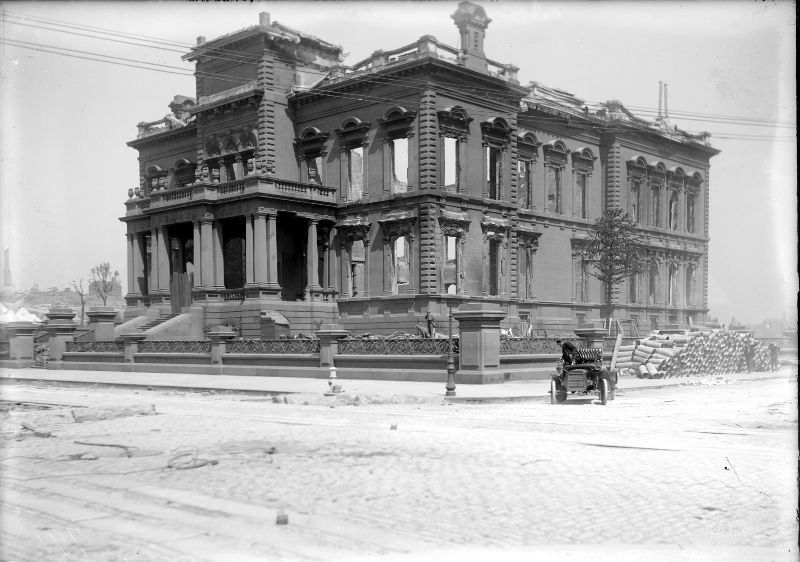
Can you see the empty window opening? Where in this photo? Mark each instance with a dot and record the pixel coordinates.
(399, 149)
(452, 164)
(494, 159)
(355, 173)
(401, 263)
(524, 171)
(656, 207)
(314, 174)
(673, 211)
(357, 260)
(494, 267)
(581, 195)
(554, 190)
(635, 190)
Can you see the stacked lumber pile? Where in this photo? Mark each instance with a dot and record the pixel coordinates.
(699, 352)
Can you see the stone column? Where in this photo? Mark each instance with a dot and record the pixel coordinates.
(131, 241)
(479, 343)
(197, 258)
(261, 266)
(138, 263)
(60, 328)
(207, 252)
(249, 258)
(163, 260)
(325, 262)
(272, 252)
(101, 322)
(20, 340)
(312, 260)
(219, 263)
(152, 283)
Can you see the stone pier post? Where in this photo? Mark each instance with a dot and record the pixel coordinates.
(60, 328)
(479, 343)
(101, 322)
(329, 336)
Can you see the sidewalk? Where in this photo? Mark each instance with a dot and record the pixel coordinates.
(509, 391)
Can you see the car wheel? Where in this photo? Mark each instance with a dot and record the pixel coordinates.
(604, 392)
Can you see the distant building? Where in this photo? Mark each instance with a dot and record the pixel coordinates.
(8, 284)
(418, 179)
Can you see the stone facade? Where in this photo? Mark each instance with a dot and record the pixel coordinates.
(419, 179)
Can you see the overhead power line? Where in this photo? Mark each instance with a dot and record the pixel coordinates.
(330, 91)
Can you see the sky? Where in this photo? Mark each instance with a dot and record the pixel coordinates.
(65, 122)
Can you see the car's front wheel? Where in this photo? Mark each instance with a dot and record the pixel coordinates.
(604, 392)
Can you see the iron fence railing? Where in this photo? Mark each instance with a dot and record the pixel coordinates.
(287, 346)
(95, 346)
(533, 346)
(174, 346)
(396, 346)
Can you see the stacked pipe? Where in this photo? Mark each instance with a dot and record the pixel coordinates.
(699, 352)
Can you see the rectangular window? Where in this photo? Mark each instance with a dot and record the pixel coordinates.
(494, 267)
(673, 211)
(525, 284)
(450, 273)
(635, 203)
(313, 175)
(355, 173)
(554, 189)
(451, 165)
(494, 159)
(399, 149)
(580, 194)
(656, 207)
(524, 172)
(401, 264)
(690, 203)
(357, 260)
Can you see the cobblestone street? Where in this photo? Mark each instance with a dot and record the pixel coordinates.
(691, 472)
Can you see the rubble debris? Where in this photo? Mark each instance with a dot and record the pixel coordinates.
(93, 414)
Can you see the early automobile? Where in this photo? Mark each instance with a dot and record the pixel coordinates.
(585, 375)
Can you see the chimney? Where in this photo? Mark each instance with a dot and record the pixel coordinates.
(263, 19)
(660, 90)
(201, 40)
(472, 22)
(666, 111)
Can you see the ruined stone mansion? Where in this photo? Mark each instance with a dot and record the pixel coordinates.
(418, 179)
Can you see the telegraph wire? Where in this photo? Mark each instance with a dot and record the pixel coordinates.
(710, 118)
(146, 65)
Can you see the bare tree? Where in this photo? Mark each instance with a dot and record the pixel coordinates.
(614, 252)
(78, 286)
(104, 280)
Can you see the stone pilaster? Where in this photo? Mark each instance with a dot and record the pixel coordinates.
(219, 258)
(249, 249)
(614, 175)
(428, 149)
(197, 253)
(207, 251)
(266, 112)
(429, 253)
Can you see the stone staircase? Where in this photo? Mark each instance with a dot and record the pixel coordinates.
(156, 322)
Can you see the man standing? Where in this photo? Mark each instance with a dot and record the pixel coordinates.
(568, 352)
(774, 351)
